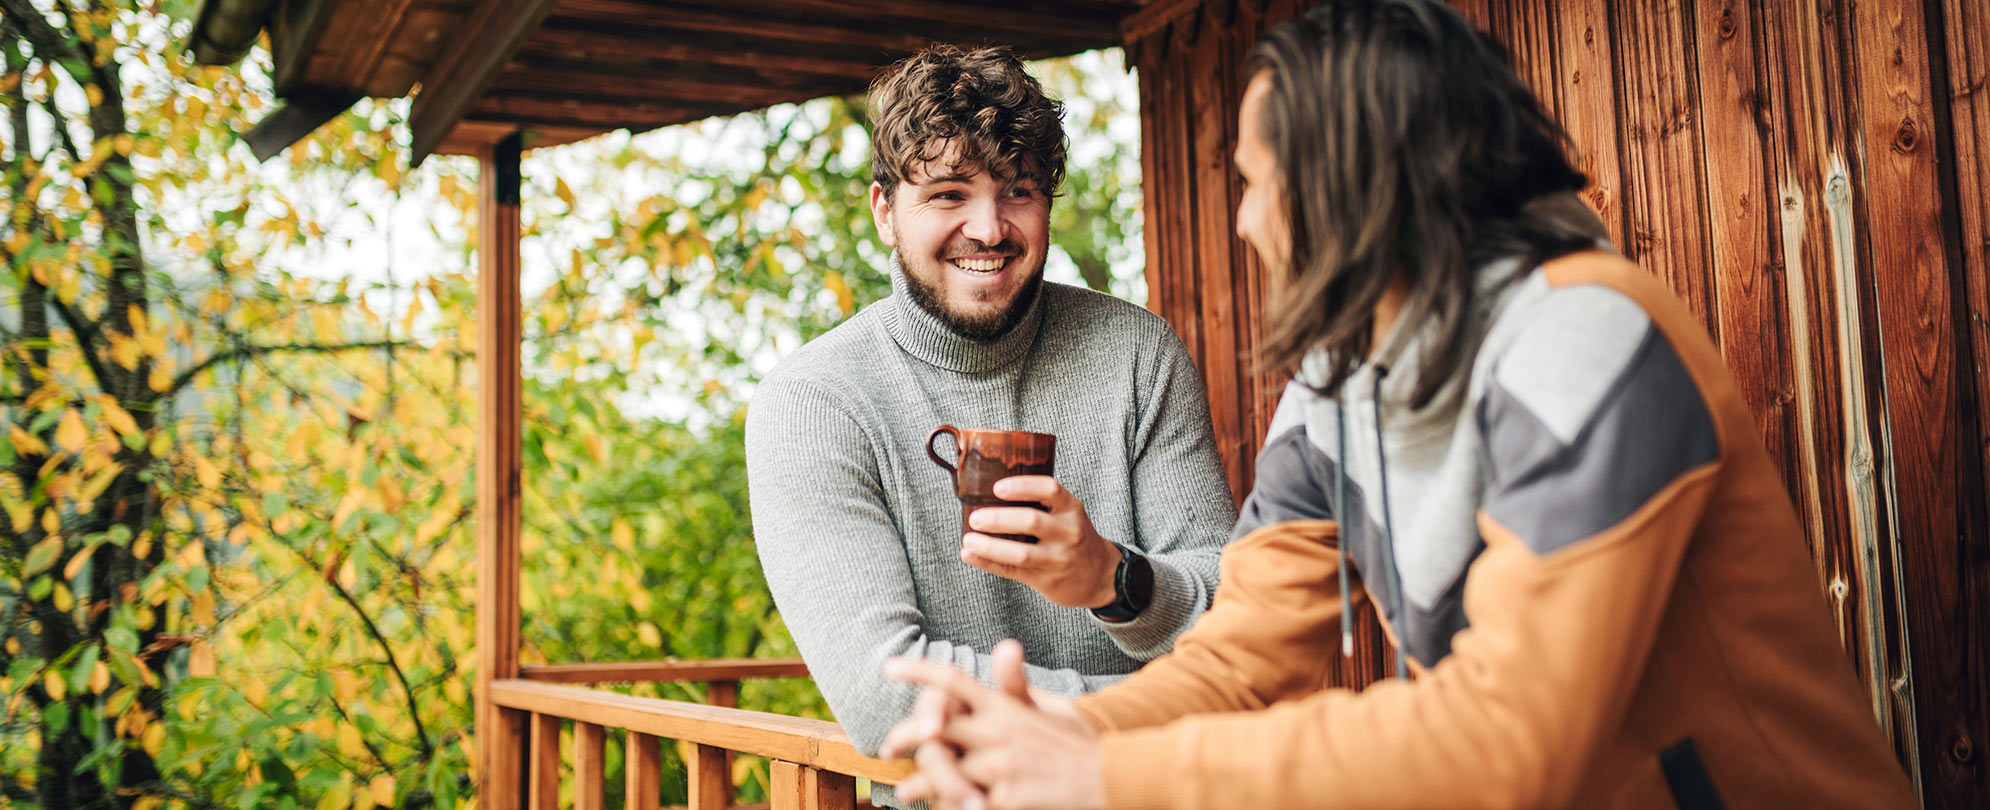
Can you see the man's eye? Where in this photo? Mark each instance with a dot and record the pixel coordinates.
(952, 196)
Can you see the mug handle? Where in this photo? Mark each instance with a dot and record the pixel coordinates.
(947, 429)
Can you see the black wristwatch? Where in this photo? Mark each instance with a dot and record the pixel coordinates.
(1133, 581)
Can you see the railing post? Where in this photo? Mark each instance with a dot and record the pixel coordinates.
(711, 778)
(500, 733)
(589, 791)
(644, 766)
(545, 754)
(800, 787)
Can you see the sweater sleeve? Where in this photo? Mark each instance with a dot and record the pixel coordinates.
(1234, 660)
(1181, 508)
(837, 566)
(1598, 482)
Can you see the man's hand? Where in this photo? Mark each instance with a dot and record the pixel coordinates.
(982, 748)
(1070, 564)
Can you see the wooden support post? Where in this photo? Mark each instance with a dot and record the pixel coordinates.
(545, 787)
(784, 786)
(711, 778)
(644, 764)
(828, 790)
(500, 733)
(590, 792)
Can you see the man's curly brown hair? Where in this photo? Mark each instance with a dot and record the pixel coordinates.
(980, 99)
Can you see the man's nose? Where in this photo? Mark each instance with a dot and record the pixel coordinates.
(984, 222)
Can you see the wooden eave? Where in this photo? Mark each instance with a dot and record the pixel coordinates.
(563, 70)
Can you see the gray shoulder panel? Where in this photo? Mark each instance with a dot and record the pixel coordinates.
(1558, 479)
(1292, 483)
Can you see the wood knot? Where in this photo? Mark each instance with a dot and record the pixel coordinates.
(1962, 750)
(1727, 24)
(1839, 590)
(1905, 137)
(1588, 35)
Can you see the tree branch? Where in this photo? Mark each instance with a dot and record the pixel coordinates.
(86, 337)
(49, 42)
(244, 352)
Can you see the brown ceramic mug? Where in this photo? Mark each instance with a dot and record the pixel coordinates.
(987, 456)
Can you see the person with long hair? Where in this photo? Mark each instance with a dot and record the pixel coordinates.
(1521, 448)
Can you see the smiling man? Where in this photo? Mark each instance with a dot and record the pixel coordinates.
(860, 534)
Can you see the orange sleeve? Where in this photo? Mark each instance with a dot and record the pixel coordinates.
(1270, 634)
(1509, 719)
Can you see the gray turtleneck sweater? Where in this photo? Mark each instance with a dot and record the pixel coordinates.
(859, 532)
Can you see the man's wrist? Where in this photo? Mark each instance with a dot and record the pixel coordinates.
(1107, 591)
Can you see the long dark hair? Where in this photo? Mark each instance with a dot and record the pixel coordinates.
(1406, 147)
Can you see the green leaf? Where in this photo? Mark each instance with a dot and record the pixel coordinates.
(122, 639)
(42, 556)
(275, 504)
(79, 672)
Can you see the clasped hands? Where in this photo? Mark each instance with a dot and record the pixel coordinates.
(1005, 748)
(1070, 564)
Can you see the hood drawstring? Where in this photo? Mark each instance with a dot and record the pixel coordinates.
(1389, 533)
(1340, 511)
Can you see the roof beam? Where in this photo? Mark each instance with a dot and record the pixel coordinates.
(300, 115)
(294, 31)
(467, 65)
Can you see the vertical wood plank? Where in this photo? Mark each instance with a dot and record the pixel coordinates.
(1213, 231)
(722, 693)
(784, 786)
(828, 790)
(643, 768)
(1807, 150)
(545, 786)
(1923, 434)
(710, 776)
(590, 785)
(1664, 214)
(500, 733)
(1586, 83)
(1747, 293)
(1966, 37)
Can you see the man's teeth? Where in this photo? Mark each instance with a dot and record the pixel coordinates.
(980, 265)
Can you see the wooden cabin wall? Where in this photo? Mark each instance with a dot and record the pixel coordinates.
(1813, 179)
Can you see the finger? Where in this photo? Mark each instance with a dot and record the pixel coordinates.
(1042, 489)
(1004, 571)
(1009, 676)
(958, 685)
(929, 715)
(1009, 520)
(940, 766)
(998, 551)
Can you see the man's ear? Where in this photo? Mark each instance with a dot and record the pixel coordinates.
(881, 215)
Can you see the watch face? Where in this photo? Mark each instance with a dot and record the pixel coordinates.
(1139, 581)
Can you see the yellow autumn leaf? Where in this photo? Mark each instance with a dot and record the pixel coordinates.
(159, 380)
(63, 599)
(649, 635)
(337, 797)
(52, 682)
(200, 659)
(382, 789)
(565, 194)
(203, 608)
(345, 686)
(100, 678)
(350, 743)
(116, 416)
(70, 434)
(206, 473)
(845, 301)
(154, 738)
(623, 534)
(25, 443)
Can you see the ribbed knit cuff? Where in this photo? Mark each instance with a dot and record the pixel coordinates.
(1139, 774)
(1153, 632)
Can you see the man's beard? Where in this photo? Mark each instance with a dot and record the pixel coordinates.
(982, 328)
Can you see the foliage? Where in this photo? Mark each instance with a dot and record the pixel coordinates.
(236, 559)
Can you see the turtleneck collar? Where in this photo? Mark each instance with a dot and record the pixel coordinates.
(923, 336)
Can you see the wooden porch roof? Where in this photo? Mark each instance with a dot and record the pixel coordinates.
(563, 70)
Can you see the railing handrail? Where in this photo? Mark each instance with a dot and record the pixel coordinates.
(672, 670)
(801, 740)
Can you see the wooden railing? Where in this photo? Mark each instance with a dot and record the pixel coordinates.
(813, 764)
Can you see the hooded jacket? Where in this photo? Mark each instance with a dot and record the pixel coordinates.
(1588, 560)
